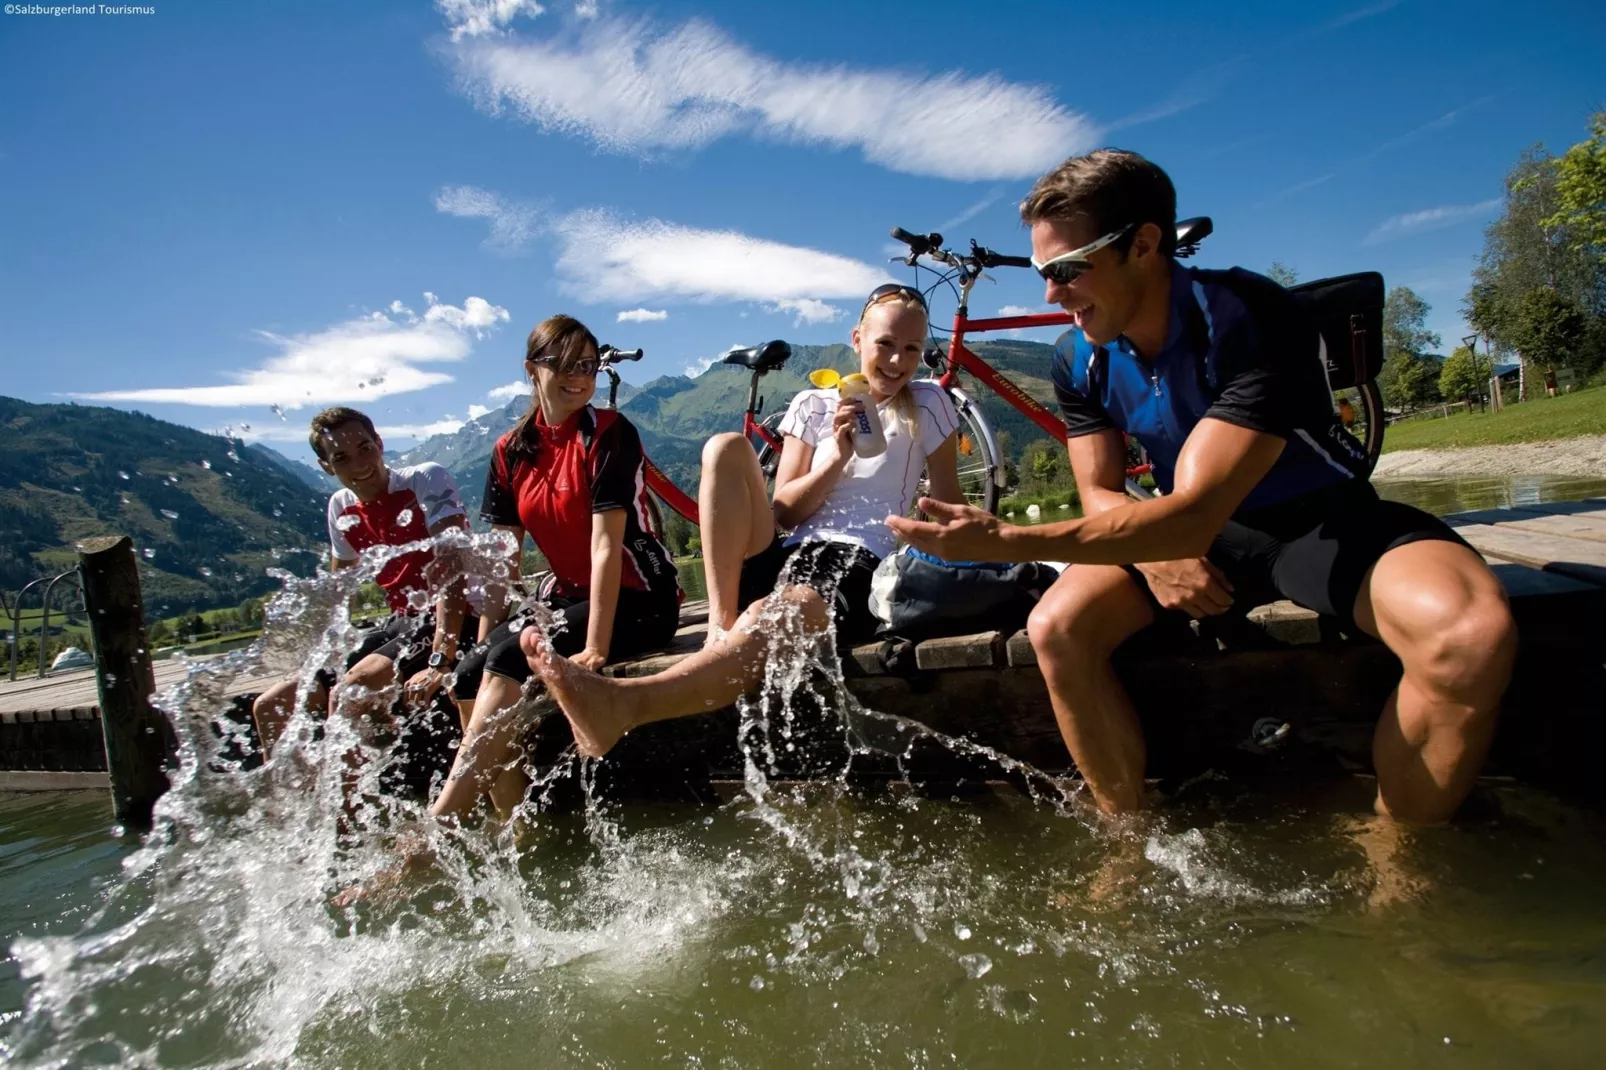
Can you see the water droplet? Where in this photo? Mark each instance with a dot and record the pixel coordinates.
(231, 455)
(111, 679)
(277, 411)
(148, 552)
(975, 965)
(962, 931)
(404, 518)
(207, 465)
(229, 474)
(756, 984)
(122, 474)
(278, 512)
(169, 514)
(206, 572)
(78, 490)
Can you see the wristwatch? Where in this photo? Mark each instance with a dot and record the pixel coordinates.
(440, 660)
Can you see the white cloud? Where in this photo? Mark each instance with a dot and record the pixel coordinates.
(1428, 219)
(482, 18)
(362, 359)
(518, 388)
(585, 9)
(1021, 310)
(642, 315)
(702, 364)
(808, 310)
(605, 258)
(633, 87)
(446, 425)
(476, 411)
(514, 224)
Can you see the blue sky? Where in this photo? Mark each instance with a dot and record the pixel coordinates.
(216, 209)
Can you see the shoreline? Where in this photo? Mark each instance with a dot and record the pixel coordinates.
(1583, 456)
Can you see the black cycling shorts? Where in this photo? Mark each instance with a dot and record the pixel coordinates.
(406, 639)
(1315, 550)
(643, 621)
(839, 571)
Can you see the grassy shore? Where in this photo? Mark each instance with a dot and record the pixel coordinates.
(1582, 412)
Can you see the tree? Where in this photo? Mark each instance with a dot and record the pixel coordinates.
(1534, 245)
(1548, 329)
(1405, 323)
(1409, 381)
(1581, 192)
(1282, 274)
(1462, 375)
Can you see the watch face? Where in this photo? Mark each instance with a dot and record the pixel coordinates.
(437, 660)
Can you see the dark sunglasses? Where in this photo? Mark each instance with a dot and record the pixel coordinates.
(584, 366)
(886, 290)
(1066, 268)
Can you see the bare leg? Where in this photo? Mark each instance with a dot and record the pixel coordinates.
(736, 521)
(272, 711)
(363, 695)
(1091, 610)
(601, 709)
(1440, 609)
(488, 748)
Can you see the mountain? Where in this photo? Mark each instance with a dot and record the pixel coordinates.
(208, 516)
(318, 480)
(676, 414)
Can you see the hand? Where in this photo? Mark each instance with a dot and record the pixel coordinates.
(843, 426)
(591, 658)
(956, 532)
(423, 684)
(1193, 585)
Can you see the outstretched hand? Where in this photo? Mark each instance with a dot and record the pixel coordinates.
(956, 533)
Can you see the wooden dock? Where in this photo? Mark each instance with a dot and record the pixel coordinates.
(1200, 691)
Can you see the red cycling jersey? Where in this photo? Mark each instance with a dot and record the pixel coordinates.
(419, 498)
(591, 463)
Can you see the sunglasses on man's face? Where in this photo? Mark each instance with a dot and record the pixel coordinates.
(1066, 268)
(881, 293)
(587, 366)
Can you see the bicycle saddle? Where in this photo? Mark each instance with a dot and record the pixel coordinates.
(1190, 232)
(765, 358)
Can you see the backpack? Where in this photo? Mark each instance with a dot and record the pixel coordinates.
(917, 596)
(1348, 311)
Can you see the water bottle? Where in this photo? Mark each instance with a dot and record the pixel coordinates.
(869, 438)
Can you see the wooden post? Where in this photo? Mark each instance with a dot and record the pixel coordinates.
(137, 736)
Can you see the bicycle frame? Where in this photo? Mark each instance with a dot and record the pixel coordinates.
(961, 358)
(660, 483)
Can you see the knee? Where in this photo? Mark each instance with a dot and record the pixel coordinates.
(1063, 627)
(719, 450)
(804, 604)
(1466, 651)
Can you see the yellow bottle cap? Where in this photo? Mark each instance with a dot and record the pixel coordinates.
(824, 378)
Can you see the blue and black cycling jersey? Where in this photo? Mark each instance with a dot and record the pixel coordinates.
(1240, 349)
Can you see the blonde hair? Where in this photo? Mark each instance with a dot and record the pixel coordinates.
(905, 409)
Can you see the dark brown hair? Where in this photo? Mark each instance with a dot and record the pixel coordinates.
(324, 424)
(563, 338)
(1110, 188)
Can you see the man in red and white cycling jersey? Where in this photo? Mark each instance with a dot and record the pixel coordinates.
(378, 506)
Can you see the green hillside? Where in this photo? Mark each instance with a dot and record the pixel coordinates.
(676, 414)
(208, 515)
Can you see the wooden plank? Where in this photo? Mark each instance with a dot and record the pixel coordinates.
(984, 651)
(41, 780)
(1578, 558)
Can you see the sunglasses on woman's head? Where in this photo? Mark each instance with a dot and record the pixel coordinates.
(583, 366)
(882, 292)
(1066, 268)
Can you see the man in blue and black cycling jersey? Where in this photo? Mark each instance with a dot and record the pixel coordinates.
(1265, 496)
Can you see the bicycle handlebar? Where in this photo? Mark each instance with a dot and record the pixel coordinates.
(987, 258)
(610, 355)
(919, 244)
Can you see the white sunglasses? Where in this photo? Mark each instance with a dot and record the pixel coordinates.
(1066, 268)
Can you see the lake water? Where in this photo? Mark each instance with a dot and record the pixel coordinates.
(1244, 924)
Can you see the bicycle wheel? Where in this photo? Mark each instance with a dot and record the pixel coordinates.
(978, 454)
(1360, 410)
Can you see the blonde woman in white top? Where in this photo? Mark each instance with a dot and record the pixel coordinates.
(833, 503)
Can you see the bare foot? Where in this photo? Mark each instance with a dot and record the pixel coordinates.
(598, 709)
(384, 889)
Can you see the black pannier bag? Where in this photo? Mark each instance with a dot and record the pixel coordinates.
(1348, 310)
(917, 596)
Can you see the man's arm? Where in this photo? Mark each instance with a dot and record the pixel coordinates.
(1219, 465)
(452, 603)
(1190, 584)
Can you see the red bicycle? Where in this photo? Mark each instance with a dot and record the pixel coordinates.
(760, 360)
(981, 472)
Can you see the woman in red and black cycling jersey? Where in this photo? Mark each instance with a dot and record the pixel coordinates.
(570, 476)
